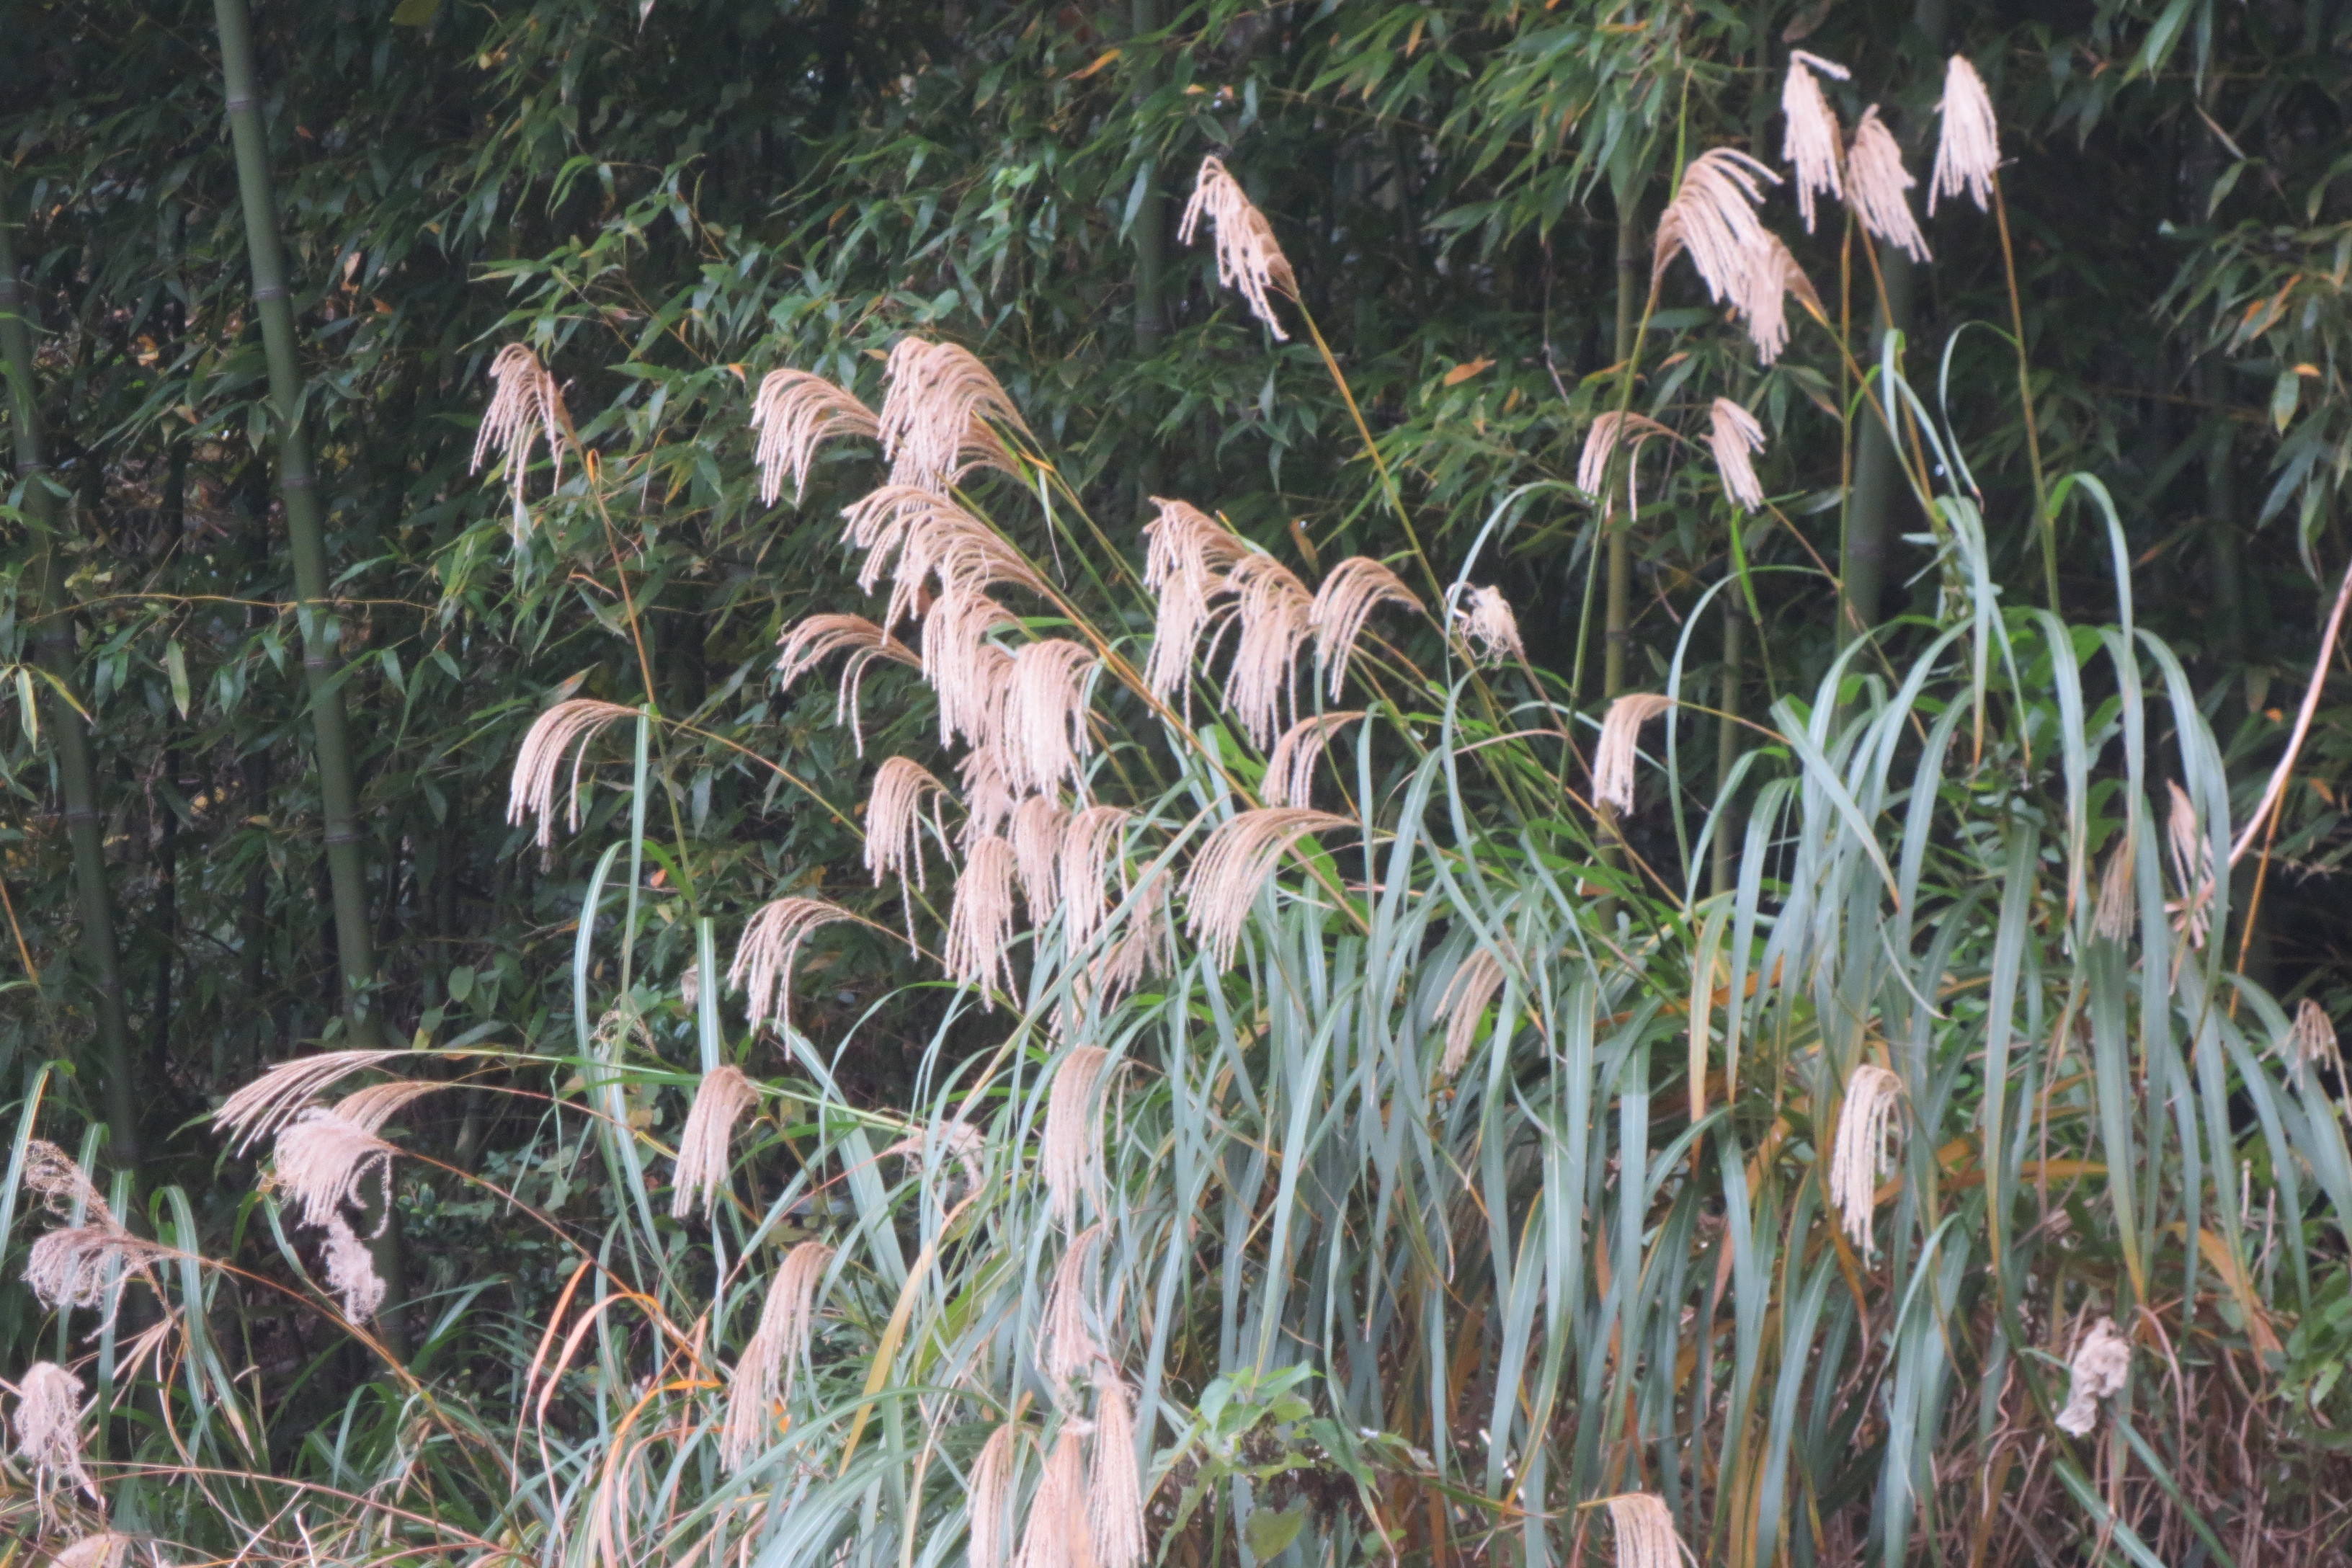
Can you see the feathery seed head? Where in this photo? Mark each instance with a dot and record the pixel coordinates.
(941, 413)
(960, 1140)
(994, 1476)
(1810, 141)
(1067, 1345)
(1091, 843)
(764, 1372)
(1484, 621)
(818, 638)
(351, 1272)
(261, 1108)
(524, 406)
(719, 1101)
(323, 1157)
(1226, 875)
(980, 923)
(1057, 1534)
(1248, 256)
(793, 411)
(988, 798)
(1621, 737)
(107, 1549)
(1861, 1157)
(1645, 1532)
(2118, 911)
(2313, 1037)
(894, 818)
(52, 1175)
(1114, 1489)
(1290, 766)
(2192, 866)
(1043, 736)
(1734, 436)
(1071, 1160)
(1713, 217)
(1273, 611)
(1187, 555)
(81, 1263)
(920, 536)
(1464, 1003)
(566, 728)
(1878, 185)
(771, 939)
(1968, 150)
(1039, 825)
(48, 1425)
(971, 677)
(1341, 607)
(1601, 443)
(2100, 1366)
(1145, 944)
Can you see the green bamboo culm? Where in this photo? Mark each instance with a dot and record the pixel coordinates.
(305, 523)
(52, 636)
(1633, 281)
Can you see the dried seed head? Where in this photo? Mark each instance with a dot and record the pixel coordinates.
(1273, 611)
(1187, 555)
(1341, 607)
(1600, 444)
(1067, 1345)
(1713, 217)
(322, 1159)
(719, 1101)
(1224, 877)
(1039, 824)
(994, 1475)
(2192, 866)
(1248, 257)
(1043, 739)
(1114, 1487)
(1290, 766)
(971, 676)
(1734, 436)
(690, 985)
(2118, 911)
(2313, 1038)
(1967, 152)
(2101, 1365)
(1767, 310)
(771, 939)
(989, 797)
(107, 1549)
(1485, 620)
(764, 1372)
(1145, 943)
(919, 535)
(351, 1272)
(282, 1092)
(792, 411)
(979, 950)
(1057, 1534)
(1878, 186)
(566, 728)
(1862, 1158)
(52, 1175)
(84, 1265)
(1464, 1003)
(1809, 142)
(1071, 1160)
(961, 1140)
(941, 413)
(893, 819)
(809, 642)
(1090, 846)
(524, 406)
(1621, 737)
(48, 1425)
(1645, 1532)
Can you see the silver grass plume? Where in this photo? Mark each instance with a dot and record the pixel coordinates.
(1248, 256)
(1712, 218)
(988, 798)
(1734, 436)
(958, 1140)
(564, 729)
(941, 413)
(762, 969)
(1968, 150)
(1187, 555)
(49, 1427)
(351, 1271)
(807, 643)
(1224, 877)
(107, 1549)
(2312, 1039)
(893, 819)
(1767, 312)
(2100, 1366)
(917, 535)
(1341, 607)
(1273, 611)
(1878, 186)
(322, 1159)
(2192, 865)
(1621, 737)
(1043, 736)
(81, 1262)
(980, 923)
(282, 1092)
(1091, 843)
(1145, 945)
(1039, 825)
(792, 411)
(1067, 1346)
(1057, 1534)
(1809, 143)
(1484, 621)
(971, 676)
(1645, 1532)
(1114, 1489)
(1290, 766)
(1600, 442)
(1071, 1161)
(764, 1372)
(719, 1101)
(2118, 911)
(994, 1476)
(1860, 1156)
(524, 406)
(1469, 993)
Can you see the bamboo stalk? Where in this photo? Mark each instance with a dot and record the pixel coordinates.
(52, 636)
(1617, 611)
(305, 523)
(1869, 511)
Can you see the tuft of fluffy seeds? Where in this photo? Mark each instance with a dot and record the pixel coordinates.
(793, 412)
(1810, 141)
(563, 729)
(1248, 256)
(1878, 186)
(1861, 1158)
(720, 1099)
(1621, 737)
(1233, 865)
(2099, 1367)
(1967, 149)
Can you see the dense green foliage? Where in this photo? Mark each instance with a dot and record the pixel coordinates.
(1371, 1302)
